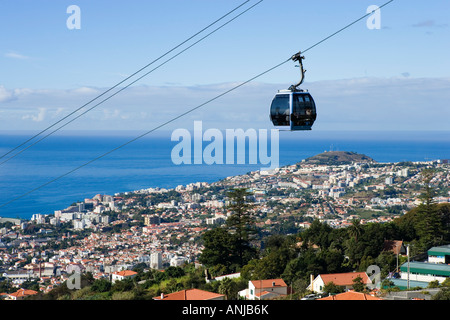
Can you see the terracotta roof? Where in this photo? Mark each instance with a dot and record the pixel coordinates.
(191, 294)
(268, 283)
(351, 295)
(393, 245)
(125, 273)
(345, 279)
(23, 293)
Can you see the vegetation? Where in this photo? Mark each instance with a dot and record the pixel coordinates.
(234, 247)
(228, 248)
(337, 158)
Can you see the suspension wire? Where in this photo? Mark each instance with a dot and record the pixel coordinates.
(133, 82)
(347, 26)
(118, 84)
(189, 111)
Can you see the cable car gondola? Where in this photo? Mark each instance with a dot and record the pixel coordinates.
(294, 107)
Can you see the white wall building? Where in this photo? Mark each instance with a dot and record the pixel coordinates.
(264, 289)
(178, 261)
(156, 260)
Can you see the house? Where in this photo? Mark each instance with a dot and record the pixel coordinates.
(265, 289)
(122, 275)
(395, 246)
(439, 254)
(351, 295)
(223, 277)
(191, 294)
(420, 274)
(425, 271)
(20, 294)
(340, 279)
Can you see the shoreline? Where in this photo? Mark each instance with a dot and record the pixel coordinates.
(435, 161)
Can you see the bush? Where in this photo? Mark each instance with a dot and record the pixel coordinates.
(101, 285)
(123, 296)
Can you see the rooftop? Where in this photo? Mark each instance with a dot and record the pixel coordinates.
(351, 295)
(191, 294)
(442, 250)
(344, 279)
(125, 273)
(268, 283)
(438, 269)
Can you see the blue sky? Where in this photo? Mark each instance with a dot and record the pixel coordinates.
(361, 79)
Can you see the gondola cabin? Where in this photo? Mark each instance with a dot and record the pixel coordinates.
(293, 109)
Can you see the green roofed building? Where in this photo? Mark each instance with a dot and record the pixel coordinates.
(439, 254)
(425, 271)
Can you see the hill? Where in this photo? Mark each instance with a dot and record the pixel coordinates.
(337, 158)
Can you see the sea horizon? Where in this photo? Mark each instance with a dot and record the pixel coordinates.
(146, 163)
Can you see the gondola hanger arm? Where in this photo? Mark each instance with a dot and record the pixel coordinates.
(298, 58)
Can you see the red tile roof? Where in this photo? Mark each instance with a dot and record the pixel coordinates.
(125, 273)
(351, 295)
(345, 279)
(22, 293)
(268, 283)
(191, 294)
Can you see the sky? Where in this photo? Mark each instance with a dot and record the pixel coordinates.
(396, 77)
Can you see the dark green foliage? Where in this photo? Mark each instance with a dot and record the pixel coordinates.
(218, 249)
(101, 285)
(443, 294)
(228, 248)
(241, 225)
(331, 288)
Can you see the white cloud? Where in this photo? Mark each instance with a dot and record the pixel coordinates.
(402, 103)
(6, 95)
(39, 117)
(14, 55)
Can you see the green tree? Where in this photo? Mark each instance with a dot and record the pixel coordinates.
(241, 224)
(428, 225)
(317, 234)
(332, 288)
(356, 229)
(101, 285)
(174, 272)
(229, 288)
(428, 193)
(219, 250)
(358, 284)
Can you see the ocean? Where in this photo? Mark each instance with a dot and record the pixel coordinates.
(27, 178)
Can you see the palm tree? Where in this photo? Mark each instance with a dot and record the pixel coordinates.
(229, 288)
(356, 229)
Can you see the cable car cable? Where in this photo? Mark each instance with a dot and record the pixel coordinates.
(185, 113)
(131, 83)
(118, 84)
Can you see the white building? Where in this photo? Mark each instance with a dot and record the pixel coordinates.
(156, 260)
(424, 271)
(439, 254)
(264, 289)
(178, 261)
(344, 280)
(79, 224)
(122, 275)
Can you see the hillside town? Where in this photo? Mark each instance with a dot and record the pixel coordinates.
(107, 235)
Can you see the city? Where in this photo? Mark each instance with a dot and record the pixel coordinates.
(161, 228)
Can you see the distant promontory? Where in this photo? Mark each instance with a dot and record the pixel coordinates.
(337, 158)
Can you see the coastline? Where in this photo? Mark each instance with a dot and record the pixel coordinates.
(147, 163)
